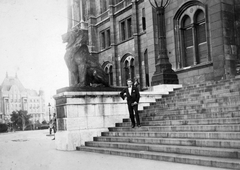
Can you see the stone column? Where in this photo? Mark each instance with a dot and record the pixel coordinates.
(69, 14)
(223, 47)
(115, 58)
(92, 20)
(137, 51)
(164, 73)
(230, 48)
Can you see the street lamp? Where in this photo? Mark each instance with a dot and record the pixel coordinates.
(49, 106)
(164, 73)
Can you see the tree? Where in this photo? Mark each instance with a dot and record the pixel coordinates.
(20, 119)
(44, 122)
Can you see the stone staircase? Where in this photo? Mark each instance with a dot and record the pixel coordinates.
(197, 124)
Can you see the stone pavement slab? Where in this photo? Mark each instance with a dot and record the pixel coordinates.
(35, 150)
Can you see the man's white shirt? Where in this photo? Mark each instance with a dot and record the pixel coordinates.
(130, 90)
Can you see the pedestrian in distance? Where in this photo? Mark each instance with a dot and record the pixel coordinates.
(50, 127)
(54, 120)
(136, 82)
(133, 96)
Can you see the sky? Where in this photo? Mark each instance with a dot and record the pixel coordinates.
(31, 43)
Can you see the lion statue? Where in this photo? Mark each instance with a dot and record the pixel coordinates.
(83, 67)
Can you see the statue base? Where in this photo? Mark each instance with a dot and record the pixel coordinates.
(167, 76)
(83, 114)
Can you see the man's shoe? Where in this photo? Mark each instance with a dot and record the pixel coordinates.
(133, 126)
(138, 125)
(53, 139)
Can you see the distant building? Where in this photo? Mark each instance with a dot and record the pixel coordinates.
(14, 97)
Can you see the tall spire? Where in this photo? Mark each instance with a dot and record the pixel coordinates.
(6, 74)
(16, 75)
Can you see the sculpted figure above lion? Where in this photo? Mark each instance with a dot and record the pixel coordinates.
(83, 67)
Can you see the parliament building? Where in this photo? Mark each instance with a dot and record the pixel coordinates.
(201, 38)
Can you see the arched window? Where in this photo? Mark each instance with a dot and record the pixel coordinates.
(143, 19)
(108, 68)
(191, 35)
(132, 68)
(128, 68)
(201, 37)
(146, 68)
(111, 75)
(187, 41)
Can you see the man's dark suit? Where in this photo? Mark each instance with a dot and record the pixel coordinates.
(134, 97)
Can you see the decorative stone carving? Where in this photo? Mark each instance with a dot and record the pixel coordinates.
(84, 68)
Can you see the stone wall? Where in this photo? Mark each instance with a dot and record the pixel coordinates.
(83, 115)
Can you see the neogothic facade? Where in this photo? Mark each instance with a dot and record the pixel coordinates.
(202, 37)
(14, 97)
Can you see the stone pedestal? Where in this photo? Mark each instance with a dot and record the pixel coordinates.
(83, 115)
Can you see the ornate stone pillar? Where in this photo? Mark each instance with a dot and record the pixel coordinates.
(164, 73)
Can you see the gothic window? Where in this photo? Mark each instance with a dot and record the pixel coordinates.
(191, 35)
(187, 41)
(108, 68)
(108, 38)
(103, 45)
(143, 20)
(105, 39)
(126, 29)
(201, 37)
(129, 27)
(146, 68)
(111, 75)
(123, 32)
(128, 68)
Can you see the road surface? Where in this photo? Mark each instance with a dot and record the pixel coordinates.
(35, 150)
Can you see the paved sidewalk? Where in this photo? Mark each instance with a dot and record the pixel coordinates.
(35, 150)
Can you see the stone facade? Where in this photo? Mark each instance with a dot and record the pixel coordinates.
(14, 96)
(123, 35)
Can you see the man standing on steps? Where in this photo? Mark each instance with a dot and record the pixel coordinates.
(132, 94)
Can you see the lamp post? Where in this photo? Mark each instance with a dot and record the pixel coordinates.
(164, 73)
(49, 106)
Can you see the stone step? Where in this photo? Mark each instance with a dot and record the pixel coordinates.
(228, 97)
(218, 121)
(211, 110)
(189, 116)
(194, 105)
(181, 128)
(186, 135)
(187, 159)
(215, 121)
(198, 93)
(214, 143)
(170, 111)
(188, 150)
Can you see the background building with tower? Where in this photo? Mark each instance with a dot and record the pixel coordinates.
(14, 96)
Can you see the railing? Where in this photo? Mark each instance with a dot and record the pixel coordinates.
(102, 16)
(119, 6)
(122, 4)
(128, 2)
